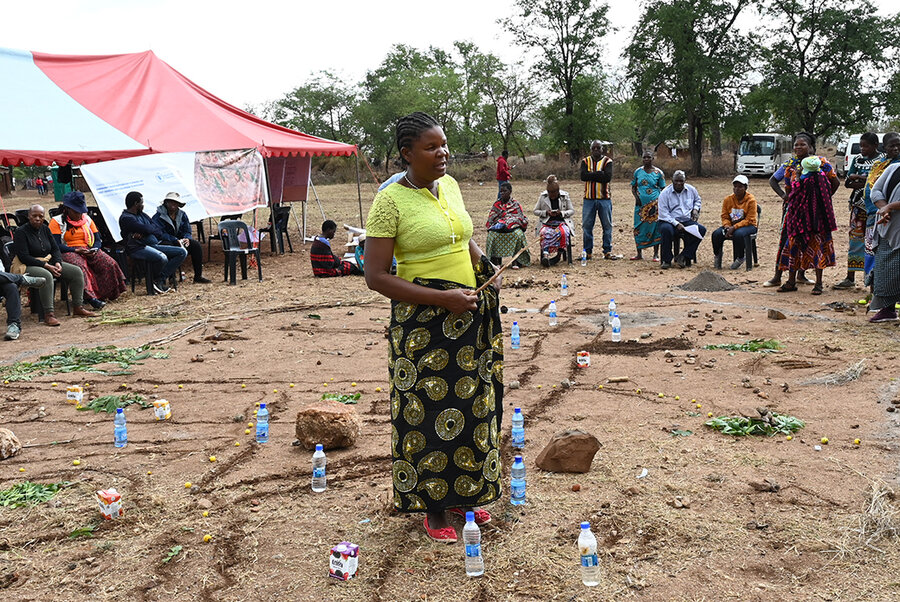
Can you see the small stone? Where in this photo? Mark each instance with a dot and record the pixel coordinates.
(774, 314)
(204, 503)
(281, 556)
(633, 490)
(668, 353)
(576, 487)
(514, 384)
(646, 335)
(254, 502)
(9, 444)
(572, 450)
(690, 361)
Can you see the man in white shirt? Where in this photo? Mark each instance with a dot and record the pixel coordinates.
(679, 207)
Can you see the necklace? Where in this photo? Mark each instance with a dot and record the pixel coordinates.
(444, 209)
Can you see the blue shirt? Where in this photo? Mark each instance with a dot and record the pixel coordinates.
(394, 178)
(676, 207)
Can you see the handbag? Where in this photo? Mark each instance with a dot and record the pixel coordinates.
(17, 267)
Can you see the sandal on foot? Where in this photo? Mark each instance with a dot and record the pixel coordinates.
(482, 517)
(444, 535)
(636, 258)
(772, 282)
(786, 288)
(816, 290)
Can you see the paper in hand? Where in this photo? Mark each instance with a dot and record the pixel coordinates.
(693, 230)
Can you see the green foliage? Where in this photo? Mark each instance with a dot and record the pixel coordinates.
(830, 65)
(351, 398)
(75, 359)
(755, 345)
(172, 553)
(741, 426)
(86, 531)
(29, 494)
(110, 403)
(681, 433)
(322, 106)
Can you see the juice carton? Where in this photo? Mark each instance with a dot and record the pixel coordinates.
(74, 394)
(161, 409)
(583, 359)
(343, 561)
(110, 502)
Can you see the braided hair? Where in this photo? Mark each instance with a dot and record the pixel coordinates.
(412, 126)
(810, 139)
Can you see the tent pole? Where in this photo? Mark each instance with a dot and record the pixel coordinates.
(359, 189)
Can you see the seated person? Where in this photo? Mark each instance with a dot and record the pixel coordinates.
(37, 254)
(9, 290)
(324, 263)
(738, 222)
(555, 209)
(143, 241)
(78, 241)
(506, 224)
(678, 206)
(176, 229)
(360, 252)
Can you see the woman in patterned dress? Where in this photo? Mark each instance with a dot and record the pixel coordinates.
(646, 184)
(446, 344)
(506, 225)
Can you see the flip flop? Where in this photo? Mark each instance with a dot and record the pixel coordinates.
(816, 290)
(482, 517)
(786, 288)
(444, 535)
(635, 258)
(769, 283)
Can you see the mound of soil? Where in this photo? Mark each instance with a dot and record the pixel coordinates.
(708, 282)
(604, 346)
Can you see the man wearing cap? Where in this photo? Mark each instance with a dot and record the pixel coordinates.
(176, 230)
(678, 207)
(738, 222)
(143, 241)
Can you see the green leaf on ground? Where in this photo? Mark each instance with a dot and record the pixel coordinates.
(342, 397)
(741, 426)
(110, 403)
(755, 345)
(29, 494)
(172, 553)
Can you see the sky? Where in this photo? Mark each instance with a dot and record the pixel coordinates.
(248, 53)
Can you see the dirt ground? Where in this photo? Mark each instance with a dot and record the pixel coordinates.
(270, 535)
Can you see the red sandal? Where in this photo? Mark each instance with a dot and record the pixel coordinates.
(444, 535)
(482, 517)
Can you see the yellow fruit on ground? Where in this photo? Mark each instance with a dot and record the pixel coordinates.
(124, 385)
(539, 386)
(243, 386)
(149, 472)
(824, 440)
(250, 425)
(638, 391)
(154, 386)
(274, 390)
(207, 537)
(352, 384)
(693, 401)
(856, 442)
(862, 301)
(237, 443)
(291, 385)
(662, 394)
(246, 431)
(599, 386)
(709, 414)
(21, 470)
(325, 385)
(789, 437)
(54, 384)
(180, 386)
(76, 462)
(205, 513)
(331, 379)
(699, 405)
(378, 389)
(187, 485)
(5, 382)
(552, 386)
(212, 458)
(677, 398)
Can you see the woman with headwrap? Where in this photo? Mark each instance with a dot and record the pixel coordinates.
(804, 256)
(506, 224)
(646, 184)
(79, 242)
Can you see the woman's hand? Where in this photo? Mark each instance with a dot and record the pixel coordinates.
(459, 300)
(54, 268)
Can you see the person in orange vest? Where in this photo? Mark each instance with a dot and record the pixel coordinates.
(596, 173)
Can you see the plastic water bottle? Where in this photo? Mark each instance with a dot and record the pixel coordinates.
(515, 339)
(262, 424)
(551, 311)
(517, 486)
(564, 286)
(518, 429)
(590, 565)
(612, 310)
(616, 329)
(318, 476)
(120, 432)
(472, 541)
(583, 257)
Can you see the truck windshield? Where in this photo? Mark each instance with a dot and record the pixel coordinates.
(757, 145)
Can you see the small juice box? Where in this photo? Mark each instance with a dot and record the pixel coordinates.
(583, 359)
(161, 409)
(343, 561)
(74, 394)
(110, 502)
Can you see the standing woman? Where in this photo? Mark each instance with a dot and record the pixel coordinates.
(891, 143)
(885, 195)
(647, 183)
(789, 173)
(446, 345)
(856, 181)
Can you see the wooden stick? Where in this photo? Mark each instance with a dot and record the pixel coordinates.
(617, 379)
(500, 271)
(50, 443)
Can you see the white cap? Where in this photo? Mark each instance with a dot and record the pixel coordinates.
(741, 179)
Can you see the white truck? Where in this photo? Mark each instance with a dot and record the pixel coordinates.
(762, 154)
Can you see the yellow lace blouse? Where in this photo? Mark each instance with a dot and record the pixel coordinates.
(427, 243)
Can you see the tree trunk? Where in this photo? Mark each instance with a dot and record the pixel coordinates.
(695, 142)
(574, 145)
(716, 133)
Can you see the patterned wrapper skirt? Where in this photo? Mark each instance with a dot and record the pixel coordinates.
(646, 226)
(103, 278)
(856, 255)
(817, 253)
(887, 274)
(507, 244)
(554, 237)
(446, 375)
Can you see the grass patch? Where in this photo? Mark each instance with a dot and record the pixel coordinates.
(342, 397)
(754, 345)
(75, 359)
(772, 424)
(111, 403)
(29, 494)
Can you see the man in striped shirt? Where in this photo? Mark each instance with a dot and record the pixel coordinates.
(596, 173)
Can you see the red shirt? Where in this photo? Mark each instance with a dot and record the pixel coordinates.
(502, 169)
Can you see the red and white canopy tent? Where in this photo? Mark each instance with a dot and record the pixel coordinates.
(98, 108)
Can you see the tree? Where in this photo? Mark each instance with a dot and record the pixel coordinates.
(830, 66)
(511, 100)
(686, 63)
(566, 34)
(323, 106)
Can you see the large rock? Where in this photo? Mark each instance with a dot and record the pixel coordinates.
(9, 444)
(329, 422)
(569, 451)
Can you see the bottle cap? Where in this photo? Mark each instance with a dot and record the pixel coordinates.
(262, 406)
(515, 323)
(517, 411)
(470, 517)
(615, 315)
(318, 447)
(518, 458)
(585, 525)
(612, 300)
(119, 410)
